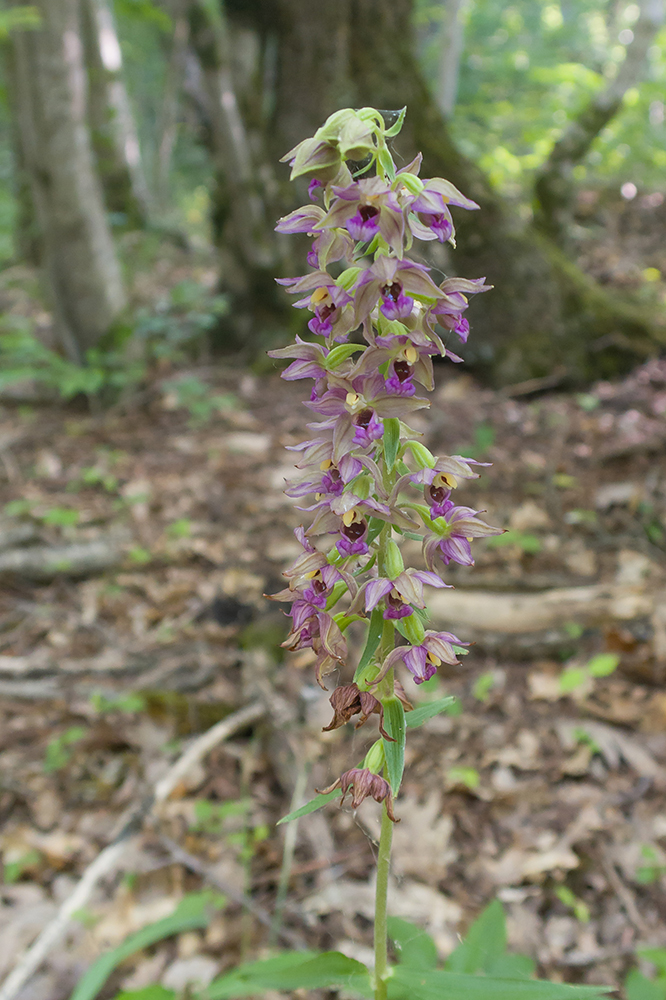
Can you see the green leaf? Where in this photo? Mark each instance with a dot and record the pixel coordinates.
(638, 987)
(375, 630)
(394, 752)
(291, 971)
(152, 992)
(194, 911)
(311, 806)
(603, 664)
(342, 351)
(397, 125)
(484, 943)
(407, 983)
(391, 440)
(571, 678)
(655, 955)
(422, 713)
(413, 945)
(347, 280)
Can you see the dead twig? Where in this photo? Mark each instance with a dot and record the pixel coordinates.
(184, 857)
(625, 896)
(105, 862)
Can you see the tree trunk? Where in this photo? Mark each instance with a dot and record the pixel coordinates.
(79, 258)
(25, 236)
(451, 46)
(544, 313)
(113, 130)
(244, 199)
(554, 187)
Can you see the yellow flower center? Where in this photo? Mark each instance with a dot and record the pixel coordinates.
(320, 295)
(445, 479)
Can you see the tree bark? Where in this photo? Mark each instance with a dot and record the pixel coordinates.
(544, 314)
(244, 196)
(79, 257)
(554, 186)
(451, 46)
(114, 135)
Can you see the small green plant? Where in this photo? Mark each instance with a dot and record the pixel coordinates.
(467, 776)
(653, 869)
(130, 703)
(602, 665)
(195, 396)
(180, 529)
(640, 987)
(484, 439)
(192, 913)
(580, 910)
(60, 749)
(13, 870)
(483, 685)
(528, 543)
(62, 517)
(139, 555)
(178, 324)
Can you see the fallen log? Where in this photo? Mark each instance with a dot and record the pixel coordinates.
(532, 623)
(45, 562)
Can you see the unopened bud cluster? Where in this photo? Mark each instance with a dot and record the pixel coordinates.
(377, 322)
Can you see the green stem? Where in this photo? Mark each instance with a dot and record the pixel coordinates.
(381, 912)
(386, 835)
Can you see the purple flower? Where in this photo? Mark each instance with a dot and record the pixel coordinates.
(448, 310)
(433, 218)
(403, 593)
(365, 208)
(313, 187)
(367, 428)
(422, 661)
(333, 315)
(396, 282)
(400, 382)
(458, 526)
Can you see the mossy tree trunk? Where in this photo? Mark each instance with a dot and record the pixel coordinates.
(78, 255)
(113, 130)
(544, 314)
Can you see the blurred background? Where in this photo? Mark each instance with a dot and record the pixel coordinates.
(142, 437)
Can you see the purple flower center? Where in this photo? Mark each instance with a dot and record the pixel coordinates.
(368, 212)
(354, 531)
(402, 370)
(392, 291)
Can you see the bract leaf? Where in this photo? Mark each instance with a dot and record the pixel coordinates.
(311, 806)
(394, 752)
(375, 630)
(391, 440)
(422, 713)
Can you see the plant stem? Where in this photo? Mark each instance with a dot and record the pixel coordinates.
(381, 933)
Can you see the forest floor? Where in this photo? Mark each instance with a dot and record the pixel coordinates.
(136, 547)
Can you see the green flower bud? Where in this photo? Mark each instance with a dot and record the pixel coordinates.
(422, 456)
(412, 629)
(393, 564)
(374, 759)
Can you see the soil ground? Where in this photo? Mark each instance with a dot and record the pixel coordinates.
(545, 787)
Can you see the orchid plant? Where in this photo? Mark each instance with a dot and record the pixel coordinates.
(367, 480)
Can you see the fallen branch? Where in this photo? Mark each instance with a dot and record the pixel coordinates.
(188, 860)
(106, 861)
(44, 562)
